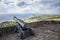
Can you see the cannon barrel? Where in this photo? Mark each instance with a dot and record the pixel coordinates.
(19, 21)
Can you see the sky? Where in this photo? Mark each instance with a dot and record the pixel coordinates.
(9, 17)
(26, 8)
(29, 6)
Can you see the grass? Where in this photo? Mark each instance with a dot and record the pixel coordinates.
(43, 18)
(7, 24)
(33, 19)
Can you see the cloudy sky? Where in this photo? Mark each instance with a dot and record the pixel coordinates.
(30, 6)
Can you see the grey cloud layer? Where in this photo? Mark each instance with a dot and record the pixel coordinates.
(41, 6)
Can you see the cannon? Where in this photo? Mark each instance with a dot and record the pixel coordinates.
(23, 29)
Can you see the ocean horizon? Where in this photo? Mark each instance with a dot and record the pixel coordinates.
(9, 17)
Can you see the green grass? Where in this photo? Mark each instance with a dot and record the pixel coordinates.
(43, 18)
(33, 19)
(7, 24)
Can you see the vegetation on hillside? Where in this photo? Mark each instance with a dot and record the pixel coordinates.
(33, 19)
(43, 18)
(7, 24)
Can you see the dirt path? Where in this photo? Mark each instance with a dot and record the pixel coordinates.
(44, 32)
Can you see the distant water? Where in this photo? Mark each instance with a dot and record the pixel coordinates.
(9, 17)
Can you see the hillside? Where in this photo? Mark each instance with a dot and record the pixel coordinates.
(43, 31)
(45, 27)
(32, 19)
(43, 18)
(7, 24)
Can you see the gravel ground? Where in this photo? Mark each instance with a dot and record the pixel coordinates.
(44, 32)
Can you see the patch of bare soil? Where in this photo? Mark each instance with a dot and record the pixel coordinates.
(43, 32)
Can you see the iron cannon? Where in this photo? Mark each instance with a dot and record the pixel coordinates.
(24, 29)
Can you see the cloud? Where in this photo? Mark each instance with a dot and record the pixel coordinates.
(31, 6)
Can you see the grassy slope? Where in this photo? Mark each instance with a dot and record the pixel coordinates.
(7, 24)
(33, 19)
(43, 18)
